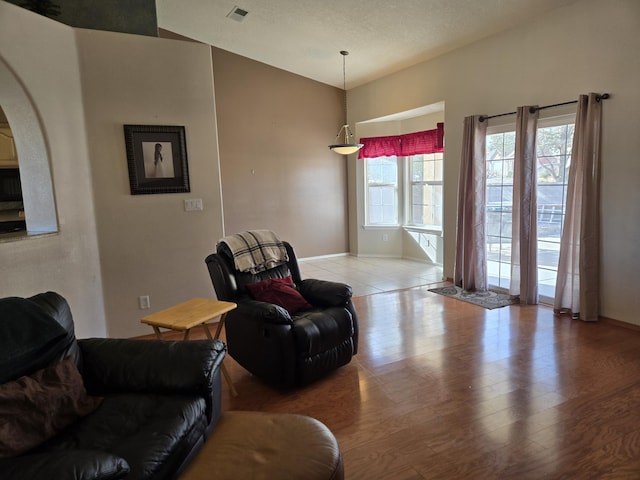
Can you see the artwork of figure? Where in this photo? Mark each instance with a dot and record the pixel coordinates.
(158, 160)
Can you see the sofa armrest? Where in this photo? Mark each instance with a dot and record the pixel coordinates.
(325, 293)
(68, 465)
(154, 366)
(149, 366)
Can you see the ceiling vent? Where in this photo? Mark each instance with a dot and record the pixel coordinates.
(237, 14)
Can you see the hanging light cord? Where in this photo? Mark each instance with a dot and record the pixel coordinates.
(344, 54)
(347, 132)
(347, 147)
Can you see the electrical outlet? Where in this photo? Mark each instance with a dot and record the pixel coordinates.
(144, 302)
(385, 237)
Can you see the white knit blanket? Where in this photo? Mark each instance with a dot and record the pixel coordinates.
(256, 250)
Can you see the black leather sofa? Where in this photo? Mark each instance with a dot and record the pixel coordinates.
(285, 349)
(160, 399)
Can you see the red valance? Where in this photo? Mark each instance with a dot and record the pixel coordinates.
(428, 141)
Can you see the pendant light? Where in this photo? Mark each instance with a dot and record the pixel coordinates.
(348, 147)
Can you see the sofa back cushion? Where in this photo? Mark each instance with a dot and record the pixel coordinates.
(57, 306)
(30, 338)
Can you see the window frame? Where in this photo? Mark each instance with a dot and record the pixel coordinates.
(403, 191)
(397, 193)
(410, 183)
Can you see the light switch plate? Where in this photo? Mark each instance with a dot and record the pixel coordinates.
(192, 204)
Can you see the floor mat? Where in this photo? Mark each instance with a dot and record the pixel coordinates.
(487, 299)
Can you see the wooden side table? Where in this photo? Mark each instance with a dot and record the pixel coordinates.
(189, 314)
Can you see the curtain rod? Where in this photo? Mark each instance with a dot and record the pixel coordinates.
(604, 96)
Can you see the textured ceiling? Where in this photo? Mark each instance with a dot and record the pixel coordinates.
(382, 36)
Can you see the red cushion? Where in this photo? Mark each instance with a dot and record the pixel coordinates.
(280, 291)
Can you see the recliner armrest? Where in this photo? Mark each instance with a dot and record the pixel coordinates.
(262, 311)
(325, 293)
(150, 366)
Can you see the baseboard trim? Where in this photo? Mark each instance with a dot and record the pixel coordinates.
(321, 257)
(620, 323)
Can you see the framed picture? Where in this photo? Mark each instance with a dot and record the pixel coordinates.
(157, 159)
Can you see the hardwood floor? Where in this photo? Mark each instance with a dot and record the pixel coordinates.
(442, 389)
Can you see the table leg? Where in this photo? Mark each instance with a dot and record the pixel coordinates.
(232, 387)
(207, 331)
(220, 324)
(186, 334)
(158, 332)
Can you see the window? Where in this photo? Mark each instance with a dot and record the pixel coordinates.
(382, 190)
(423, 190)
(554, 157)
(500, 150)
(554, 141)
(422, 157)
(426, 190)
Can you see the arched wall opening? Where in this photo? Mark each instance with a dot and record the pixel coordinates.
(35, 170)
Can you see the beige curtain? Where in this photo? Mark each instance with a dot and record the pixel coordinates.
(524, 234)
(470, 270)
(578, 283)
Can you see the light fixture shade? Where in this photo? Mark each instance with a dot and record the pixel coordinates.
(346, 148)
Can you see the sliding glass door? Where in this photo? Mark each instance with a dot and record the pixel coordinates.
(553, 146)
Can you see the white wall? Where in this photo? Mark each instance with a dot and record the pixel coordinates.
(44, 62)
(149, 245)
(111, 246)
(590, 46)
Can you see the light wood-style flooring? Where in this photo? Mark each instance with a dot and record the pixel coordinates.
(442, 389)
(368, 275)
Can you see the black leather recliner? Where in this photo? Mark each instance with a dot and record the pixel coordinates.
(281, 349)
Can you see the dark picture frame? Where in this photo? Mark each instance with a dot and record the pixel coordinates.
(157, 159)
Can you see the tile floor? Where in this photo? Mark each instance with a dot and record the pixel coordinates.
(369, 275)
